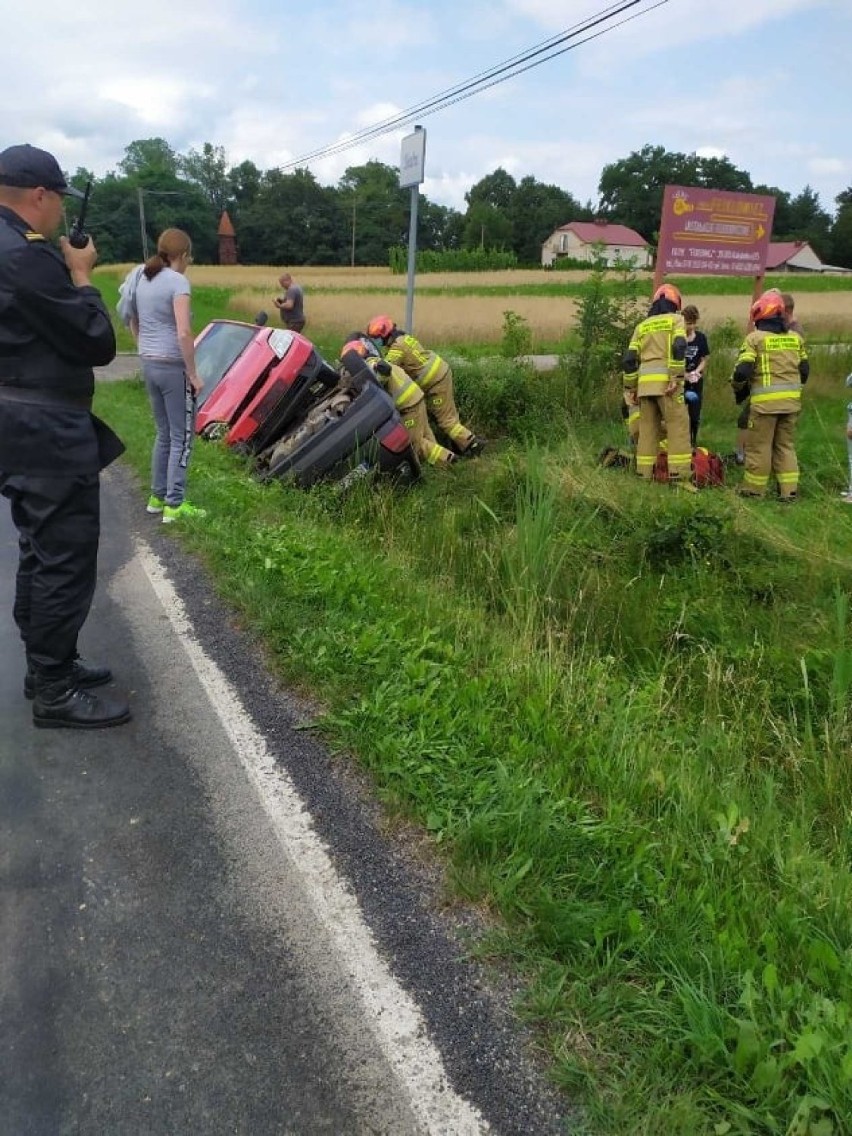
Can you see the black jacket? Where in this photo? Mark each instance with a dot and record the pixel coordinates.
(51, 335)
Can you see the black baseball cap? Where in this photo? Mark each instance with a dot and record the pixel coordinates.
(28, 167)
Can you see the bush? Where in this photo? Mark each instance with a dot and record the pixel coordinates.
(452, 260)
(517, 336)
(606, 316)
(505, 398)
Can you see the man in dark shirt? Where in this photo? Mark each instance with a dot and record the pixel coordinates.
(291, 304)
(54, 328)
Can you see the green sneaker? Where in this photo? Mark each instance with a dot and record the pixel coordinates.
(175, 512)
(155, 504)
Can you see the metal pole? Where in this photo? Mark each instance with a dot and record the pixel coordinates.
(142, 224)
(412, 258)
(354, 201)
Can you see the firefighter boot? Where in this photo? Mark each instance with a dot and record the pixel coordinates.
(474, 447)
(84, 675)
(61, 704)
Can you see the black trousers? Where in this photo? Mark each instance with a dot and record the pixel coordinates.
(694, 409)
(58, 523)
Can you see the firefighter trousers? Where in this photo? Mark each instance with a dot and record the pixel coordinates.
(771, 449)
(416, 421)
(664, 415)
(441, 405)
(58, 523)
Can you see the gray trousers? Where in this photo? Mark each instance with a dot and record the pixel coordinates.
(173, 406)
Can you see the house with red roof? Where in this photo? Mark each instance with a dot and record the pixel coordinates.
(584, 240)
(792, 256)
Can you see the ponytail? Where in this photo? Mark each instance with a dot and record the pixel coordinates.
(172, 244)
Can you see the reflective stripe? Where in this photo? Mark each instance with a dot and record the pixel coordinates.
(757, 479)
(679, 459)
(775, 392)
(788, 478)
(429, 373)
(410, 396)
(438, 454)
(644, 459)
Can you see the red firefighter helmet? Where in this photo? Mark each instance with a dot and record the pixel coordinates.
(381, 327)
(668, 292)
(767, 306)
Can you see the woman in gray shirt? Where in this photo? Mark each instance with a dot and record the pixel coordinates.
(163, 331)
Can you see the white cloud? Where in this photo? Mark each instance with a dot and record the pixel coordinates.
(271, 86)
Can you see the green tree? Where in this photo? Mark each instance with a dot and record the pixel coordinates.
(209, 171)
(808, 221)
(151, 167)
(114, 220)
(437, 227)
(783, 219)
(243, 185)
(631, 189)
(376, 207)
(496, 189)
(149, 159)
(486, 227)
(536, 210)
(293, 220)
(721, 173)
(841, 230)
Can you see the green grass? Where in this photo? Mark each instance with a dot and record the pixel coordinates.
(622, 715)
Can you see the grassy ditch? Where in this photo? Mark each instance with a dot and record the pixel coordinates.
(622, 714)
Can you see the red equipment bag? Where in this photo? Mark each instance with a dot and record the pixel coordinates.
(708, 469)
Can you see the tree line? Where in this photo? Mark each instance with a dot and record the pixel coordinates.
(290, 218)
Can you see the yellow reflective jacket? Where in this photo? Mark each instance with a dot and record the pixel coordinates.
(776, 384)
(653, 342)
(425, 367)
(403, 390)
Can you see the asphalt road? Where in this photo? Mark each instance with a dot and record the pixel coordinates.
(204, 926)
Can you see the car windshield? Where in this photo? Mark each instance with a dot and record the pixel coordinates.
(218, 351)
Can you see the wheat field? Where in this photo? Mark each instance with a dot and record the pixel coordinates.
(338, 300)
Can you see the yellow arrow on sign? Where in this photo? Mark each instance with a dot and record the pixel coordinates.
(760, 231)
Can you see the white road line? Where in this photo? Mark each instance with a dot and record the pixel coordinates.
(394, 1016)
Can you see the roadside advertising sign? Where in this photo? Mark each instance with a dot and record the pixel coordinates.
(712, 232)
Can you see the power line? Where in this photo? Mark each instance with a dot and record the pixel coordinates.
(472, 84)
(525, 61)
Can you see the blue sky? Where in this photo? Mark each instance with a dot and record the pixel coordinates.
(766, 82)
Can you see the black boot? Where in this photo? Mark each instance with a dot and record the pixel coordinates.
(84, 675)
(59, 704)
(474, 448)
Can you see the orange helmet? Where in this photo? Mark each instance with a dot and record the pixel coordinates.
(767, 306)
(668, 292)
(356, 345)
(381, 327)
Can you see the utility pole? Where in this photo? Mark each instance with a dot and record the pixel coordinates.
(354, 203)
(139, 192)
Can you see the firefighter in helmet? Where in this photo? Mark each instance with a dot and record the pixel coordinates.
(653, 366)
(434, 377)
(771, 369)
(408, 399)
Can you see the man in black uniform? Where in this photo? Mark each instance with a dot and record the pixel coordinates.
(53, 329)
